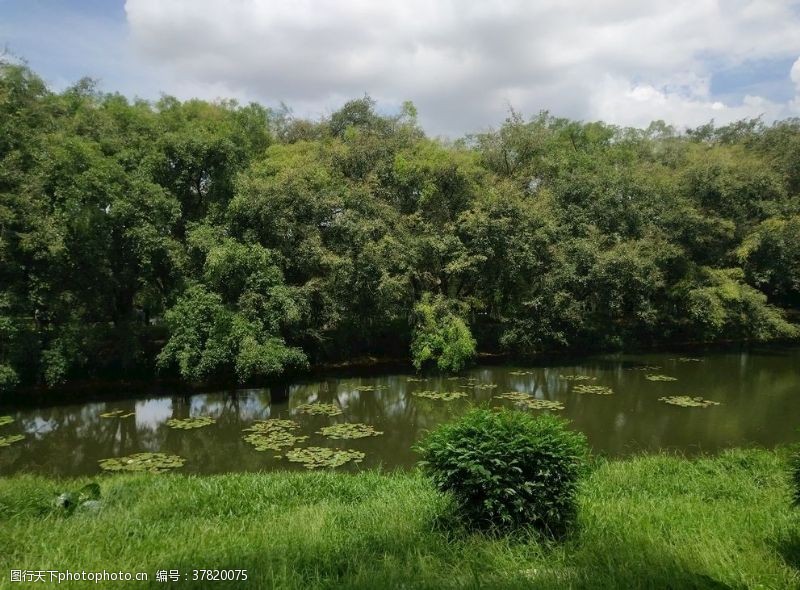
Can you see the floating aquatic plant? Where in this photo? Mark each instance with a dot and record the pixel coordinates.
(7, 441)
(273, 440)
(485, 386)
(272, 424)
(143, 462)
(645, 368)
(660, 378)
(540, 404)
(595, 389)
(6, 420)
(414, 380)
(117, 414)
(318, 409)
(686, 401)
(446, 396)
(349, 430)
(370, 387)
(530, 403)
(577, 377)
(317, 457)
(190, 423)
(687, 359)
(514, 396)
(519, 373)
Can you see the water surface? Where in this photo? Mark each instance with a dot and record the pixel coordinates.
(758, 392)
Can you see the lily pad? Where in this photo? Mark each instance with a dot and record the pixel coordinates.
(143, 462)
(414, 380)
(6, 420)
(445, 396)
(272, 424)
(370, 387)
(190, 423)
(686, 401)
(529, 402)
(514, 396)
(687, 359)
(652, 377)
(486, 386)
(577, 377)
(520, 373)
(595, 389)
(349, 430)
(117, 414)
(318, 409)
(7, 441)
(273, 440)
(318, 457)
(644, 368)
(540, 404)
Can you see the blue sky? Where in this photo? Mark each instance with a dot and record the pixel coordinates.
(461, 61)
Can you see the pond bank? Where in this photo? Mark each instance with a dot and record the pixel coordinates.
(652, 521)
(139, 386)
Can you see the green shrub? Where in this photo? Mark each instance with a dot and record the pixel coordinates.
(508, 469)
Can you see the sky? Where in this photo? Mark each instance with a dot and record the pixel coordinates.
(462, 62)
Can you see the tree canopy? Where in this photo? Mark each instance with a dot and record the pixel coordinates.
(219, 240)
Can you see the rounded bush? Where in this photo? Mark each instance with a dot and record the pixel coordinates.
(508, 469)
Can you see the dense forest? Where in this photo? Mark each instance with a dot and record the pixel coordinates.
(215, 240)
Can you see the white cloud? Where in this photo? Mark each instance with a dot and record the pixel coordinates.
(463, 61)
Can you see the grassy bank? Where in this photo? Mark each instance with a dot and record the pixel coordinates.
(646, 522)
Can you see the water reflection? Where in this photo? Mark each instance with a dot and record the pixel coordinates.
(759, 392)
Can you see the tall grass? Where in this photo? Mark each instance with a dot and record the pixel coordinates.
(646, 522)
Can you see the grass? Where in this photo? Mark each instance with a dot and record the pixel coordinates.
(647, 522)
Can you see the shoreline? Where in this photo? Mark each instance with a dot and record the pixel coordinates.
(100, 389)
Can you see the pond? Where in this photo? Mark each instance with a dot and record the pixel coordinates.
(624, 403)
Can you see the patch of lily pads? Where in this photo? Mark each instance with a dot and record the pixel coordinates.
(414, 380)
(530, 403)
(319, 409)
(273, 434)
(7, 441)
(6, 420)
(520, 373)
(445, 396)
(190, 423)
(577, 377)
(644, 368)
(687, 401)
(143, 463)
(594, 389)
(272, 424)
(540, 404)
(687, 359)
(320, 457)
(656, 377)
(273, 440)
(370, 387)
(117, 414)
(349, 430)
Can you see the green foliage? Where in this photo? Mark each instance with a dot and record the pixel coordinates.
(507, 469)
(441, 336)
(647, 521)
(210, 339)
(216, 240)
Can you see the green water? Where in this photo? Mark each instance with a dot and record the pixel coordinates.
(758, 394)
